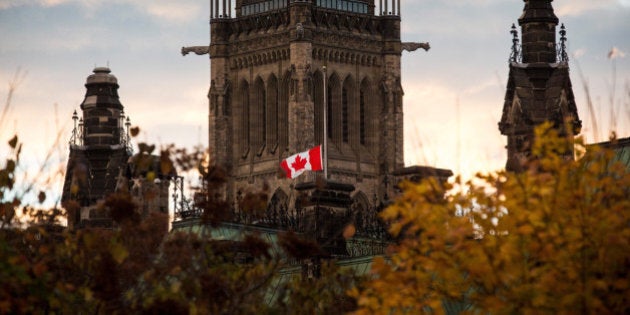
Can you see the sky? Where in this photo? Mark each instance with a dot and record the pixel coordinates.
(453, 93)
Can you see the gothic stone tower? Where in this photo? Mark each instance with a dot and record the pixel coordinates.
(269, 67)
(100, 161)
(539, 88)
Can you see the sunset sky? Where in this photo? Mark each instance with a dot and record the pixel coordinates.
(49, 47)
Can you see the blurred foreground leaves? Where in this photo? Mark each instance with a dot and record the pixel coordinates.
(138, 267)
(554, 239)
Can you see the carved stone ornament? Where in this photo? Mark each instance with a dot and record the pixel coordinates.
(199, 50)
(413, 46)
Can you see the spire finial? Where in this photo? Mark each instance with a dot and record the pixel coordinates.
(127, 136)
(74, 137)
(562, 52)
(515, 55)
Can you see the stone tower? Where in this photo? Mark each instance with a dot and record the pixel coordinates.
(276, 64)
(539, 87)
(100, 160)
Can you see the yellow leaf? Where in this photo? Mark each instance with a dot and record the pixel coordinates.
(118, 252)
(151, 176)
(525, 229)
(88, 295)
(74, 189)
(349, 231)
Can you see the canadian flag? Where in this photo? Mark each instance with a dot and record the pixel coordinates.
(296, 164)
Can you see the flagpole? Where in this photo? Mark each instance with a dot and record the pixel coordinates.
(325, 126)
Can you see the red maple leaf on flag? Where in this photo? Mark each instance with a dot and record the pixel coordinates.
(299, 163)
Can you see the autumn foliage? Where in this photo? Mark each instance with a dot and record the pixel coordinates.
(554, 239)
(137, 267)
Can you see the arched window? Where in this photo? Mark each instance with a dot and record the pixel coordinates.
(259, 115)
(283, 113)
(318, 101)
(227, 99)
(329, 111)
(333, 108)
(364, 116)
(244, 132)
(272, 114)
(348, 111)
(344, 114)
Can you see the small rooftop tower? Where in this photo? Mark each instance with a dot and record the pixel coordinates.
(538, 26)
(539, 87)
(103, 117)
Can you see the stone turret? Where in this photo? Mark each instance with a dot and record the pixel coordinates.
(538, 26)
(103, 117)
(287, 75)
(100, 160)
(539, 87)
(276, 64)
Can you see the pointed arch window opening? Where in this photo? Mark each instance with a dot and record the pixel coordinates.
(245, 125)
(276, 115)
(283, 110)
(318, 101)
(329, 111)
(263, 119)
(227, 98)
(362, 130)
(272, 116)
(344, 115)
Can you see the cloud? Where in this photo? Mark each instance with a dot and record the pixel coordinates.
(166, 10)
(52, 3)
(174, 12)
(578, 53)
(615, 53)
(581, 7)
(7, 4)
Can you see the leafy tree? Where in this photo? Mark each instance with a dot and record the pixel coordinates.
(137, 267)
(554, 239)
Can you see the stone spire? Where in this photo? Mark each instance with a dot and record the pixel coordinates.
(539, 87)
